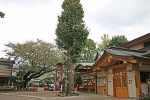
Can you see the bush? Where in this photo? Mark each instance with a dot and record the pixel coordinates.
(145, 98)
(6, 89)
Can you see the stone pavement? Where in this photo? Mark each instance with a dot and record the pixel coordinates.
(51, 95)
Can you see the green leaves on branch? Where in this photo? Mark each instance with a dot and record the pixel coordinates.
(118, 40)
(33, 58)
(88, 51)
(2, 14)
(71, 32)
(104, 42)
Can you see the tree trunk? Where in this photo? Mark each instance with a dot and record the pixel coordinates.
(70, 74)
(25, 84)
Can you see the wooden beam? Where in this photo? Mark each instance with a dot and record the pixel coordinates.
(106, 83)
(102, 62)
(142, 60)
(136, 66)
(118, 66)
(104, 69)
(130, 59)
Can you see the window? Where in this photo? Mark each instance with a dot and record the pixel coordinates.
(144, 76)
(4, 67)
(147, 44)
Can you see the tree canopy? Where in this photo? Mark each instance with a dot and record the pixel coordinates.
(118, 40)
(71, 34)
(33, 58)
(104, 42)
(2, 14)
(88, 51)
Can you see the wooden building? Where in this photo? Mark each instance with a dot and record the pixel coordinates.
(6, 67)
(126, 68)
(87, 76)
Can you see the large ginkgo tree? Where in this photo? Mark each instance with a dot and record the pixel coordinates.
(71, 34)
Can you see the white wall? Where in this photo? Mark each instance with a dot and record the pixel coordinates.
(131, 84)
(145, 67)
(101, 74)
(136, 47)
(144, 88)
(110, 82)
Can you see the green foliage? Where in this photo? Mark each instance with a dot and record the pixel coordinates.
(30, 84)
(88, 51)
(41, 85)
(13, 79)
(2, 14)
(47, 81)
(145, 98)
(6, 89)
(33, 59)
(71, 32)
(118, 40)
(105, 42)
(78, 80)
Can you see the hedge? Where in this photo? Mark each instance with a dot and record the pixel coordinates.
(6, 89)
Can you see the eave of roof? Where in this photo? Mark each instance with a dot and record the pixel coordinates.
(137, 40)
(122, 53)
(7, 60)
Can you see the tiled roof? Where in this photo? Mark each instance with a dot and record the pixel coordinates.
(124, 52)
(86, 63)
(127, 52)
(100, 52)
(5, 60)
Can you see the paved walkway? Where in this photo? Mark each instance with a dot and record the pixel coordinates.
(51, 95)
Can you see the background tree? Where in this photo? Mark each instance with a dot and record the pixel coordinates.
(88, 51)
(46, 81)
(2, 14)
(104, 42)
(71, 34)
(118, 40)
(33, 59)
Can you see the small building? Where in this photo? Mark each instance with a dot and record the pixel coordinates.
(6, 67)
(87, 77)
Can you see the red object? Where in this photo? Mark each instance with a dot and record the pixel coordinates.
(35, 89)
(58, 76)
(46, 88)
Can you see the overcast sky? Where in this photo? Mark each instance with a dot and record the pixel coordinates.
(31, 19)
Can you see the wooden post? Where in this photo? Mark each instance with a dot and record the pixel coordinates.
(106, 91)
(96, 82)
(136, 66)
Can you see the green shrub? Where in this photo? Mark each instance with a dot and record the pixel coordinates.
(6, 89)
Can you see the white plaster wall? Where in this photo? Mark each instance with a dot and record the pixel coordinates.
(110, 71)
(101, 74)
(131, 84)
(144, 88)
(110, 82)
(145, 67)
(136, 47)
